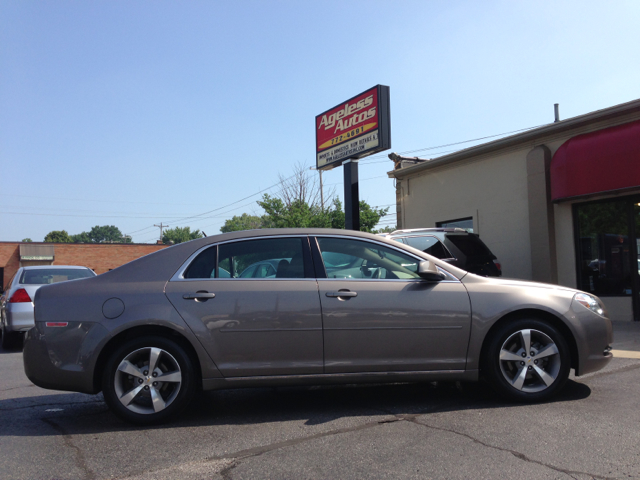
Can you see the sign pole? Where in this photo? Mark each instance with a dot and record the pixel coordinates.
(351, 195)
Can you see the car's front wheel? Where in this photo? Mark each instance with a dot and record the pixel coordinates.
(148, 380)
(527, 360)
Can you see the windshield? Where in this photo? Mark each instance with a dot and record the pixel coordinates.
(53, 275)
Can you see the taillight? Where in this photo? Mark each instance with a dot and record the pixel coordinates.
(497, 263)
(20, 296)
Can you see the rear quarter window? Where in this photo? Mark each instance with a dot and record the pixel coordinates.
(470, 245)
(429, 245)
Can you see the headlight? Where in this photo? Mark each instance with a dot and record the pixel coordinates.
(590, 302)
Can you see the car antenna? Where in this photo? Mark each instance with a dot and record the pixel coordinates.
(205, 235)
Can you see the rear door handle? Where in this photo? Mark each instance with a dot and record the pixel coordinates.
(198, 296)
(341, 294)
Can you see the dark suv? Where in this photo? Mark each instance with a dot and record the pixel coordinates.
(453, 245)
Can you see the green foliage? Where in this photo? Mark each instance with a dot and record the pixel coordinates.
(81, 238)
(369, 216)
(243, 222)
(299, 214)
(179, 235)
(387, 229)
(26, 240)
(98, 234)
(58, 236)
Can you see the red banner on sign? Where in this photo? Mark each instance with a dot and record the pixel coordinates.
(348, 120)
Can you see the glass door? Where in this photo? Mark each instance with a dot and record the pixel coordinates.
(636, 258)
(608, 248)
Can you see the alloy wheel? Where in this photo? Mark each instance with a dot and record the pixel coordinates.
(530, 360)
(148, 380)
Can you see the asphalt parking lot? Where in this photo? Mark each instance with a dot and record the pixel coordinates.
(592, 430)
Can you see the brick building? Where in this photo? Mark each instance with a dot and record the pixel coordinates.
(100, 257)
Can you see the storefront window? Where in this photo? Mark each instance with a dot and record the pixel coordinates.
(604, 252)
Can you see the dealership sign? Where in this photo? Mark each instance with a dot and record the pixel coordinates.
(354, 129)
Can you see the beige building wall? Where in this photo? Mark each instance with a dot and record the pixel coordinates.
(496, 187)
(491, 190)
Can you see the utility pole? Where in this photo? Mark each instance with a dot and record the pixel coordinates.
(321, 192)
(161, 226)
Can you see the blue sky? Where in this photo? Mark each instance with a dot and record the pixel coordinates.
(135, 113)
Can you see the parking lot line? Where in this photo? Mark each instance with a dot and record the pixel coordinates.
(625, 354)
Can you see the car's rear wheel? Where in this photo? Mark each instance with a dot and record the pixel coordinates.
(148, 380)
(527, 360)
(11, 340)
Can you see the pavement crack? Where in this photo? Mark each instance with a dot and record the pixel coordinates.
(518, 455)
(257, 451)
(79, 458)
(225, 473)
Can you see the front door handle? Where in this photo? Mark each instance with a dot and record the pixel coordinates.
(342, 294)
(198, 296)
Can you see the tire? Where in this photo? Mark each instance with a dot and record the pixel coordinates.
(140, 396)
(519, 375)
(11, 340)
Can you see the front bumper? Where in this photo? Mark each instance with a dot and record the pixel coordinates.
(64, 358)
(594, 337)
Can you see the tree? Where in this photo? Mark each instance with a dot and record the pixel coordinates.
(297, 214)
(179, 235)
(26, 240)
(369, 216)
(101, 234)
(58, 236)
(81, 238)
(243, 222)
(302, 215)
(387, 229)
(298, 205)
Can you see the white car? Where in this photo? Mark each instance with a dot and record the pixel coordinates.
(17, 300)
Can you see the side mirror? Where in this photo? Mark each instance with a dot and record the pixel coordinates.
(429, 272)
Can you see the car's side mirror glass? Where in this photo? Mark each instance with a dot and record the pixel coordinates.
(429, 271)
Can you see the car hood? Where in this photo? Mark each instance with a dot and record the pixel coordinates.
(471, 278)
(525, 293)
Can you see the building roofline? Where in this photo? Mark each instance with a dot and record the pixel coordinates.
(529, 135)
(4, 242)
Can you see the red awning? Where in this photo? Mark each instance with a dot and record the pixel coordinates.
(597, 162)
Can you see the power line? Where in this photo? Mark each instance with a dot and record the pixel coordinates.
(201, 215)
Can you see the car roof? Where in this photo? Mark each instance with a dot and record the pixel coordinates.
(428, 230)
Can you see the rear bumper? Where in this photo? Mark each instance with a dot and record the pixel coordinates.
(19, 317)
(63, 358)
